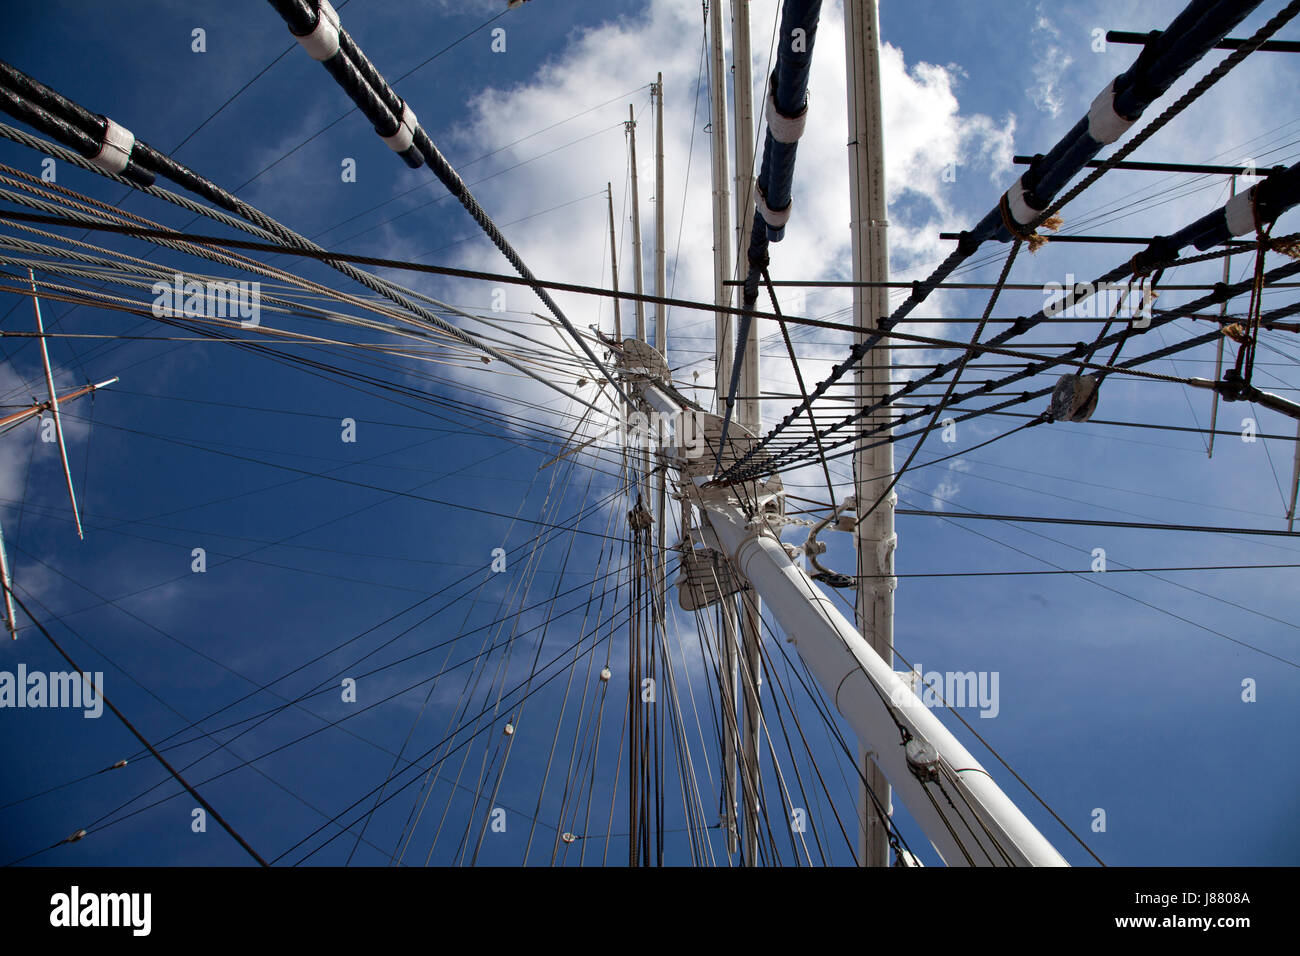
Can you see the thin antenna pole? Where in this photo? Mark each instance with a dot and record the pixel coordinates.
(637, 275)
(54, 404)
(613, 266)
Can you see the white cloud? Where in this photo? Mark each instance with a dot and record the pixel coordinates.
(927, 136)
(1050, 63)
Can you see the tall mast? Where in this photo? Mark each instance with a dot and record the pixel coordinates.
(951, 796)
(639, 827)
(661, 343)
(722, 378)
(721, 198)
(874, 537)
(661, 278)
(747, 414)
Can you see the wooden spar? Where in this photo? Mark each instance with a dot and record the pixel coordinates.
(39, 407)
(54, 404)
(16, 418)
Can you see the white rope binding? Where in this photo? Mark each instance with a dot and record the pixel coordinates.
(774, 218)
(1023, 213)
(1104, 124)
(1240, 212)
(115, 152)
(784, 129)
(323, 42)
(401, 141)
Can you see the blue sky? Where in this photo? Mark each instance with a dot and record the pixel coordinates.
(1118, 691)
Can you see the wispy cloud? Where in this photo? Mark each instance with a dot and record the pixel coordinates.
(1050, 63)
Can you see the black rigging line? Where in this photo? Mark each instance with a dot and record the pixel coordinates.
(952, 386)
(212, 811)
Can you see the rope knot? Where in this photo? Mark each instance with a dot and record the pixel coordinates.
(1030, 237)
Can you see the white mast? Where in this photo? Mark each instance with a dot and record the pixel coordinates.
(661, 343)
(722, 377)
(721, 197)
(967, 818)
(747, 413)
(874, 537)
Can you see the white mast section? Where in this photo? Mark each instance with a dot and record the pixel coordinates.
(874, 537)
(722, 379)
(747, 413)
(721, 198)
(962, 811)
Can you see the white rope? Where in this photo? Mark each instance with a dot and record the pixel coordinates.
(1240, 212)
(401, 141)
(1104, 124)
(774, 218)
(115, 151)
(1020, 209)
(784, 129)
(323, 42)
